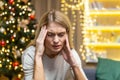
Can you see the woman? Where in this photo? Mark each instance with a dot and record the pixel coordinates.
(51, 55)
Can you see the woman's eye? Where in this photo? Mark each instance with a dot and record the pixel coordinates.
(50, 34)
(53, 34)
(61, 34)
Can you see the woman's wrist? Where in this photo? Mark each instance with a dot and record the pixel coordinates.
(37, 56)
(38, 61)
(74, 65)
(38, 53)
(73, 62)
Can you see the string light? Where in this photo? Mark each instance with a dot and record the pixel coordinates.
(75, 9)
(99, 40)
(74, 6)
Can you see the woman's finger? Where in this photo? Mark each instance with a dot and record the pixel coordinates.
(42, 33)
(67, 43)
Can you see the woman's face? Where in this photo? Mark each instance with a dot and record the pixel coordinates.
(55, 38)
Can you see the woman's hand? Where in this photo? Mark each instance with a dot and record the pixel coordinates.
(40, 42)
(66, 52)
(39, 70)
(68, 56)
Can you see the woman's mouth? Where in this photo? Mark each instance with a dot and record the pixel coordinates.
(56, 46)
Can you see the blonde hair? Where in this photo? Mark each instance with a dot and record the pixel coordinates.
(54, 16)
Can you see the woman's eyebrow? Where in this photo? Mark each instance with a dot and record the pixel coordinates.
(56, 33)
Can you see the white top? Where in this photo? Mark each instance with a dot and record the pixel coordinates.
(55, 68)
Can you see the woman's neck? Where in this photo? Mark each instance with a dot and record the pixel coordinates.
(51, 54)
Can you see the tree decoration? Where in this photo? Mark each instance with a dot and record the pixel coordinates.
(16, 63)
(2, 29)
(11, 1)
(1, 4)
(25, 1)
(2, 43)
(17, 28)
(32, 16)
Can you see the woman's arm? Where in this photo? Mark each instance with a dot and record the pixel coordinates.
(28, 63)
(70, 58)
(76, 68)
(78, 74)
(39, 70)
(38, 67)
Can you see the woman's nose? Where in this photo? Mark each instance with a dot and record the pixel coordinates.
(56, 39)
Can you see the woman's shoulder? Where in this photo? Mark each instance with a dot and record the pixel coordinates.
(28, 59)
(74, 51)
(29, 51)
(76, 55)
(30, 48)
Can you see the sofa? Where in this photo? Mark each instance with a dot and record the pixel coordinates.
(105, 69)
(90, 73)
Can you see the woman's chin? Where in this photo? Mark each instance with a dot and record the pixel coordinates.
(56, 50)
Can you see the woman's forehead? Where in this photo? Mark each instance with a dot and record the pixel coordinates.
(55, 26)
(56, 30)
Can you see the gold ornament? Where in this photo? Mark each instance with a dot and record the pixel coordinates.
(25, 1)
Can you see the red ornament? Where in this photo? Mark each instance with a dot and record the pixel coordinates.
(11, 1)
(32, 17)
(2, 43)
(16, 63)
(12, 37)
(17, 79)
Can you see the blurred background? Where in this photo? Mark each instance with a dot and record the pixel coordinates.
(95, 30)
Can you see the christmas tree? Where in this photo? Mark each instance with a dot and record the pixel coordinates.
(17, 28)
